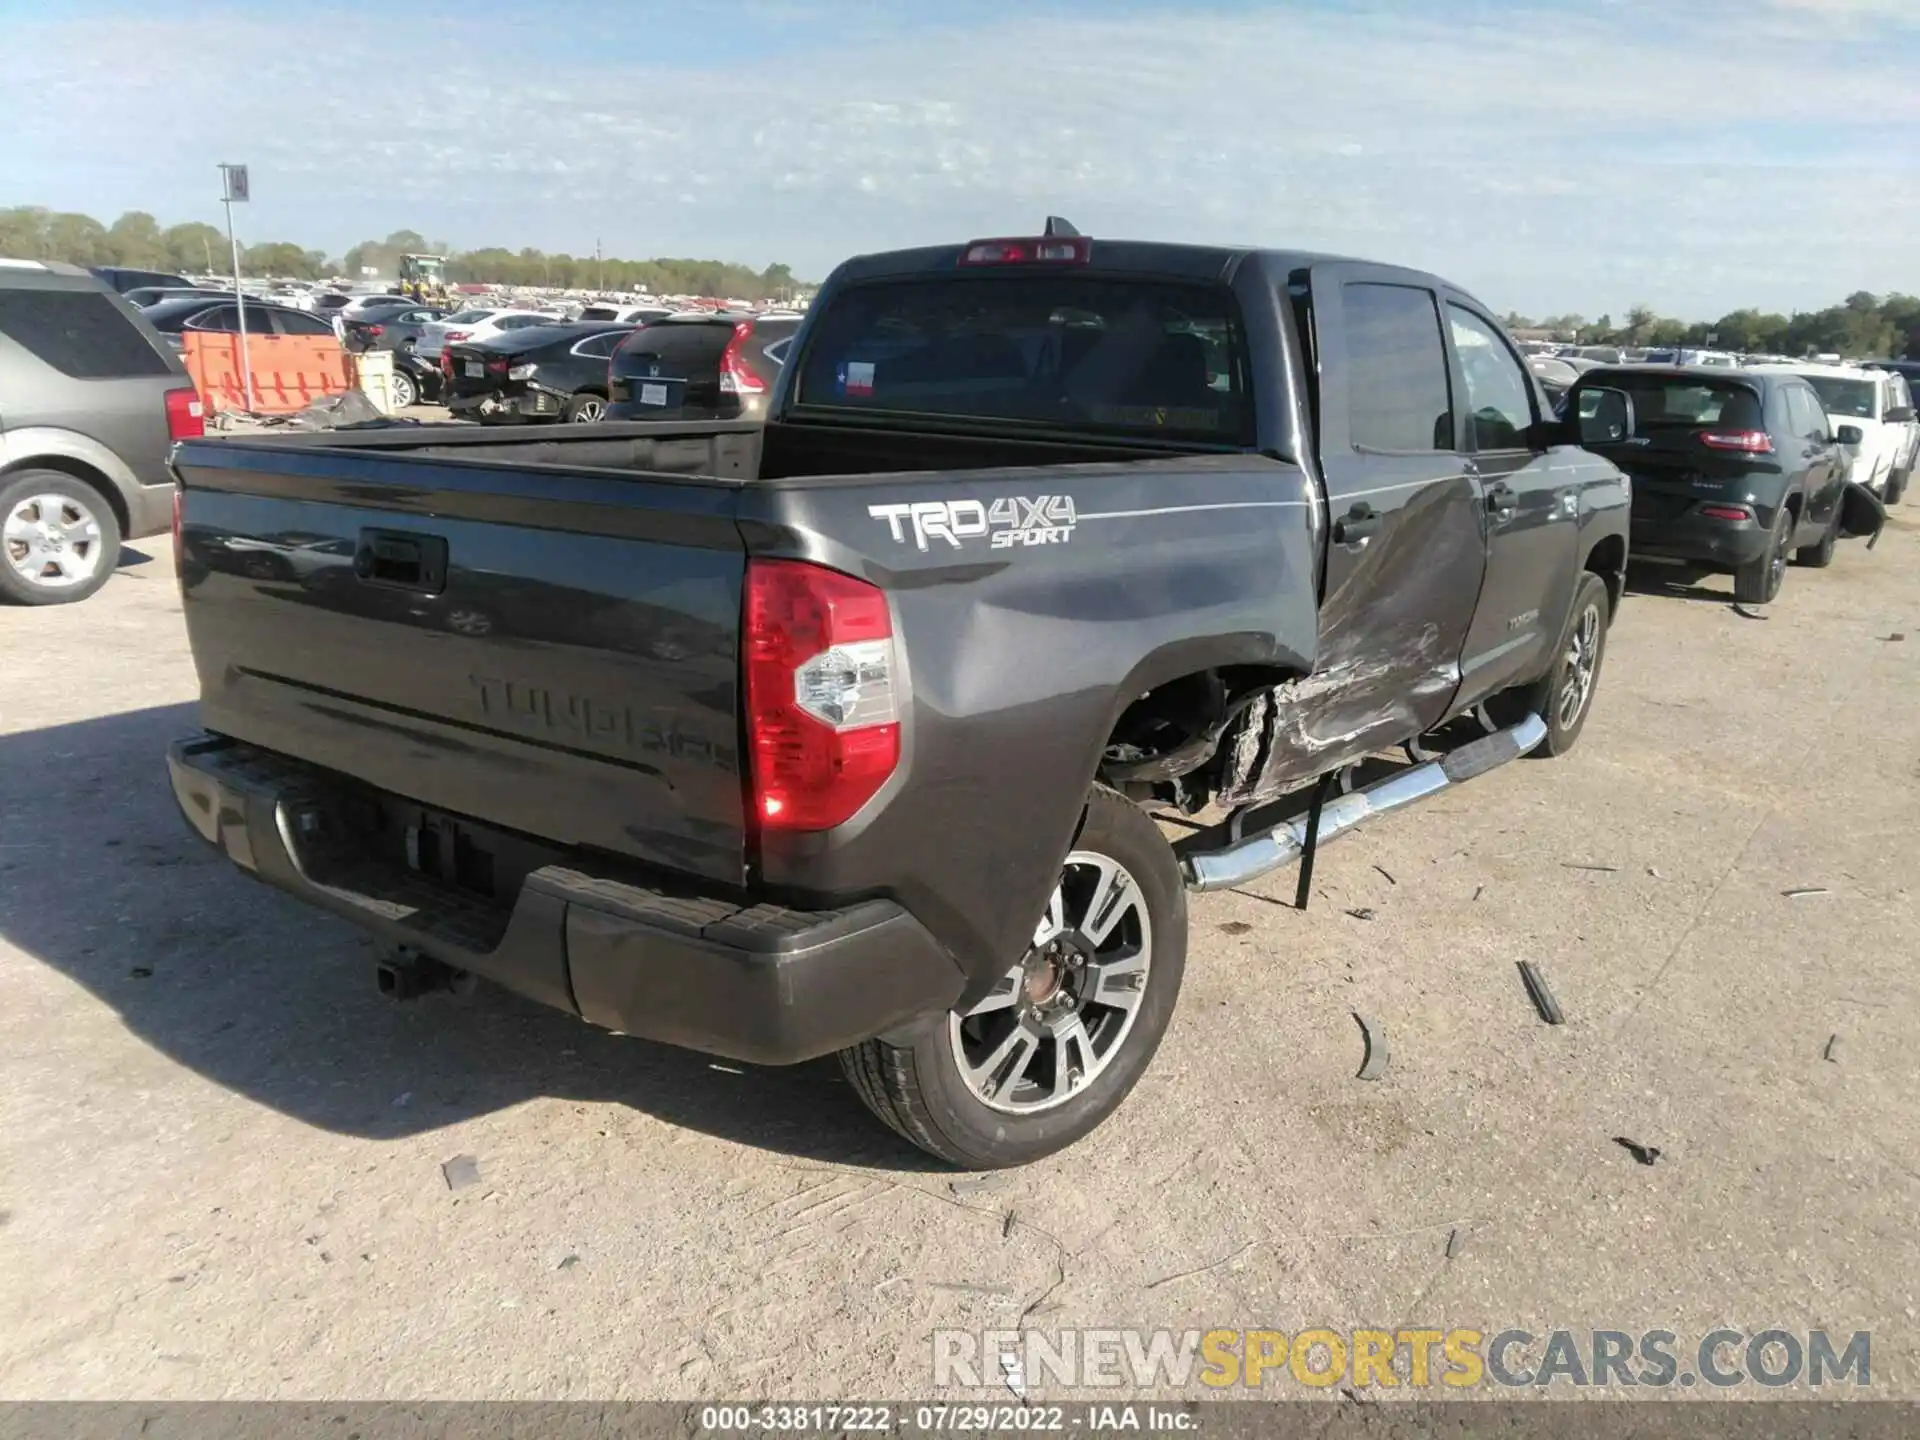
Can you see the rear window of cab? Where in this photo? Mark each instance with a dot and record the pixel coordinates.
(1144, 357)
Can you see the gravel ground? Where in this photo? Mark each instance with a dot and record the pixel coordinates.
(221, 1152)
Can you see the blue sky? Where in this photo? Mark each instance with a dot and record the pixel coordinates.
(1549, 156)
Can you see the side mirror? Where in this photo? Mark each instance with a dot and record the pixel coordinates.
(1900, 414)
(1604, 416)
(1850, 434)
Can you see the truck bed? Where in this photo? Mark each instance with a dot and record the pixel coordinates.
(535, 625)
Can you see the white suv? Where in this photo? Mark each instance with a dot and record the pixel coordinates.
(1879, 404)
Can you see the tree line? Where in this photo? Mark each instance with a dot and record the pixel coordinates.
(1864, 326)
(137, 239)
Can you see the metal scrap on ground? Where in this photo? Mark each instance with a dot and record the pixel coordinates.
(1374, 1064)
(1541, 996)
(1645, 1154)
(461, 1171)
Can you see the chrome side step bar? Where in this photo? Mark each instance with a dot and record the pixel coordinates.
(1283, 845)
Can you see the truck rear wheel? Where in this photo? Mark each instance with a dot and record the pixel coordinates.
(1067, 1032)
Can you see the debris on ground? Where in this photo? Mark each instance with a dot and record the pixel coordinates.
(1745, 614)
(1651, 870)
(1387, 873)
(141, 972)
(461, 1171)
(1235, 927)
(568, 1262)
(967, 1185)
(1830, 1053)
(1541, 996)
(1645, 1154)
(1453, 1243)
(1896, 637)
(1802, 891)
(1478, 891)
(1374, 1064)
(1597, 869)
(402, 1100)
(1006, 1226)
(725, 1069)
(1362, 912)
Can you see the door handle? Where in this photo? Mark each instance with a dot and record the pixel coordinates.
(1357, 526)
(1500, 499)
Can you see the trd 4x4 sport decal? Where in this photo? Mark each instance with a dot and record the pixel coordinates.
(1010, 521)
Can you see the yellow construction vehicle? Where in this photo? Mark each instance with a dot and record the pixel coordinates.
(424, 278)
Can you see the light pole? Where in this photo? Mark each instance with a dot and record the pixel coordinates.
(234, 188)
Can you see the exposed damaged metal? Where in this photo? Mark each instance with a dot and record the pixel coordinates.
(1280, 742)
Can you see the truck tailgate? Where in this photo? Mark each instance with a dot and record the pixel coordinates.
(554, 650)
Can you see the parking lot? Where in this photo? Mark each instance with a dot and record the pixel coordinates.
(221, 1152)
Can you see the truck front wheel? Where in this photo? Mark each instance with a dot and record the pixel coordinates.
(1564, 695)
(1067, 1032)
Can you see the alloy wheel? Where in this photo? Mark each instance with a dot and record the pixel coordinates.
(1582, 664)
(1058, 1018)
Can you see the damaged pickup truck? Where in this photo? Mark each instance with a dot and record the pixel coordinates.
(842, 734)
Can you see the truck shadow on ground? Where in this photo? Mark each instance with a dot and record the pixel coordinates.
(100, 879)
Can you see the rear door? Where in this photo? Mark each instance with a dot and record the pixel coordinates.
(1530, 507)
(1406, 550)
(1818, 462)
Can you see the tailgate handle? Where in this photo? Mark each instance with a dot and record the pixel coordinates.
(404, 560)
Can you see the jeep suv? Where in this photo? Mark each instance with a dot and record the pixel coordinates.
(91, 401)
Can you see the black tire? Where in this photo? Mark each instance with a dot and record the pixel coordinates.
(1819, 557)
(83, 511)
(405, 393)
(1759, 583)
(1897, 485)
(917, 1087)
(586, 408)
(1588, 621)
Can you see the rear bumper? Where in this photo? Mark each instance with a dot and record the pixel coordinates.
(530, 405)
(1726, 544)
(753, 982)
(149, 510)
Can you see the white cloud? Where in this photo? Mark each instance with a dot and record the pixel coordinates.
(1560, 158)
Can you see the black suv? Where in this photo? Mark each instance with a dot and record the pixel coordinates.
(699, 367)
(91, 401)
(1732, 471)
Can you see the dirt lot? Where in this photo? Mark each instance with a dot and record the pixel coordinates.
(221, 1151)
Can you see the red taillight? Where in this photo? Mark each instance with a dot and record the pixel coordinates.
(1042, 250)
(735, 377)
(1725, 512)
(186, 416)
(823, 726)
(1747, 442)
(376, 329)
(497, 367)
(454, 335)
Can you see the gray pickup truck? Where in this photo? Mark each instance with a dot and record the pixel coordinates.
(843, 734)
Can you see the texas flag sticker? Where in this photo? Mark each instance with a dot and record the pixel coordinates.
(856, 378)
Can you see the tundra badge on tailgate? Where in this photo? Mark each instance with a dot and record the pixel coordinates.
(1011, 520)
